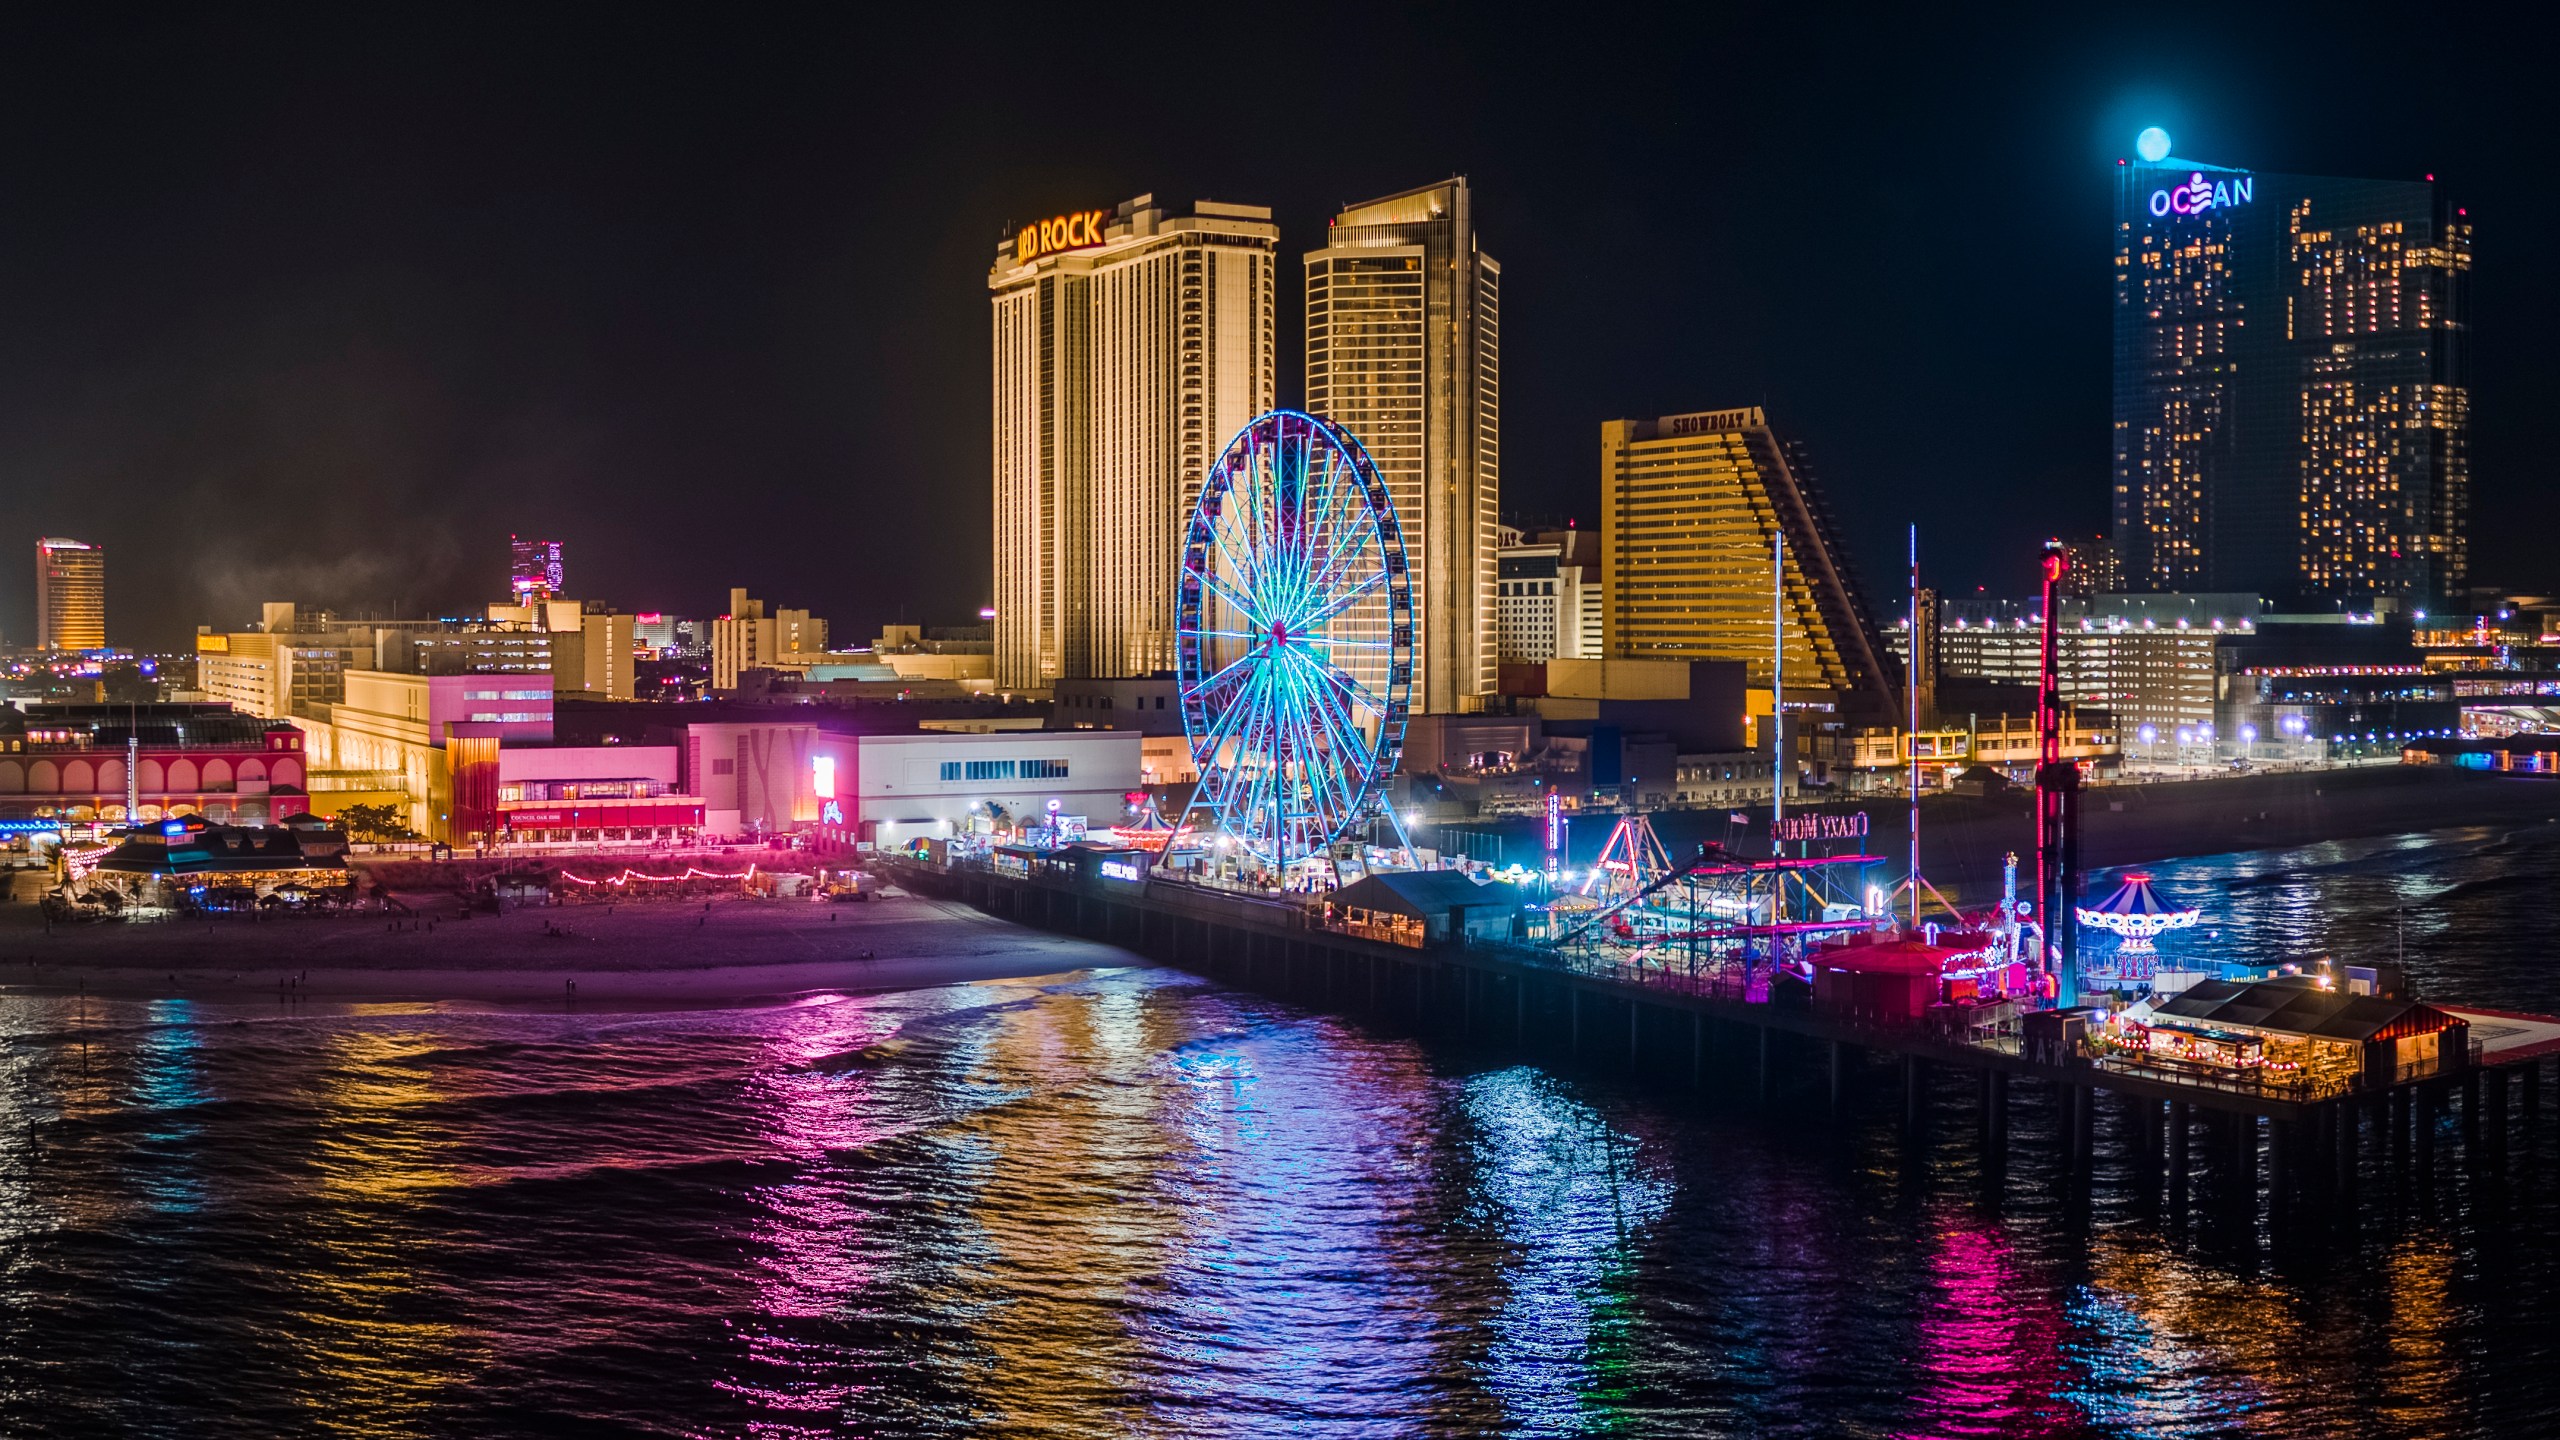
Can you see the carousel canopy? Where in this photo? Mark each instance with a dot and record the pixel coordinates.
(2136, 909)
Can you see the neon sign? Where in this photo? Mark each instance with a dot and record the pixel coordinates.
(2200, 195)
(1120, 870)
(1079, 231)
(1819, 827)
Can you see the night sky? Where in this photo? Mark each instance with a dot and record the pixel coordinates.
(322, 305)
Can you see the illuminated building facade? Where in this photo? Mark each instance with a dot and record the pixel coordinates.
(2291, 410)
(1404, 349)
(68, 762)
(537, 572)
(1548, 596)
(1689, 506)
(71, 595)
(1129, 345)
(749, 638)
(2147, 660)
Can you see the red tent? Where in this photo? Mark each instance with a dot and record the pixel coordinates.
(1889, 982)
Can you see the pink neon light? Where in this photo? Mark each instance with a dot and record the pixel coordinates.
(627, 876)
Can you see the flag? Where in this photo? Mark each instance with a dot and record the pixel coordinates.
(1737, 817)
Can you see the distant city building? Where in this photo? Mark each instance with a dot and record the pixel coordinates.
(1149, 704)
(1404, 349)
(747, 638)
(2093, 567)
(1689, 507)
(537, 574)
(2292, 414)
(593, 646)
(1548, 595)
(672, 636)
(71, 595)
(491, 649)
(1129, 345)
(2146, 660)
(294, 662)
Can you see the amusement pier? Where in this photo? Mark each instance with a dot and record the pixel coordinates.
(1772, 975)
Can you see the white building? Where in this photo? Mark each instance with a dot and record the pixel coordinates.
(936, 783)
(1129, 345)
(1549, 596)
(1404, 349)
(2146, 659)
(772, 778)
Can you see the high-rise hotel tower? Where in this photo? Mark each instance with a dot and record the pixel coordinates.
(71, 595)
(1129, 345)
(1690, 506)
(2292, 417)
(1404, 349)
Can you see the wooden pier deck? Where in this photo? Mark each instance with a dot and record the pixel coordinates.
(1547, 1008)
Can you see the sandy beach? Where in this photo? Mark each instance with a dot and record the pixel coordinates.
(740, 949)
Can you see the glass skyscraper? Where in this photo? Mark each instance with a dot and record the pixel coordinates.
(2291, 413)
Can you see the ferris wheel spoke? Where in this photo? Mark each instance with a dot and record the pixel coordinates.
(1253, 614)
(1340, 536)
(1240, 665)
(1334, 781)
(1344, 600)
(1341, 730)
(1348, 689)
(1338, 718)
(1245, 571)
(1206, 747)
(1349, 550)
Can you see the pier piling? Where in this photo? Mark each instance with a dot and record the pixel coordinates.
(2179, 1120)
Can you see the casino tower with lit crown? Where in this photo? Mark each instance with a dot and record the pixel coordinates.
(2291, 416)
(1129, 344)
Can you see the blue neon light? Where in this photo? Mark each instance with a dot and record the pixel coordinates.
(1294, 616)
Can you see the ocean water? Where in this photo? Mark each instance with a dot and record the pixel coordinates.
(1131, 1202)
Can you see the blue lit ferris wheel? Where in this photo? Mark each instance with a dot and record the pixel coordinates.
(1295, 621)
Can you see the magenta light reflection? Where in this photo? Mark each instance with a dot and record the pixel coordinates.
(1990, 1346)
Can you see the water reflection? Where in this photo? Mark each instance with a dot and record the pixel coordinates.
(1127, 1202)
(1571, 1197)
(368, 1331)
(1990, 1341)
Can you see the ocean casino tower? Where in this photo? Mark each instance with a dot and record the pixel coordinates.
(2292, 417)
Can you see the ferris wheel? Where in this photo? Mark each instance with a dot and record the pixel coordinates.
(1294, 616)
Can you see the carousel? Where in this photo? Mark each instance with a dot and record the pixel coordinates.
(2137, 916)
